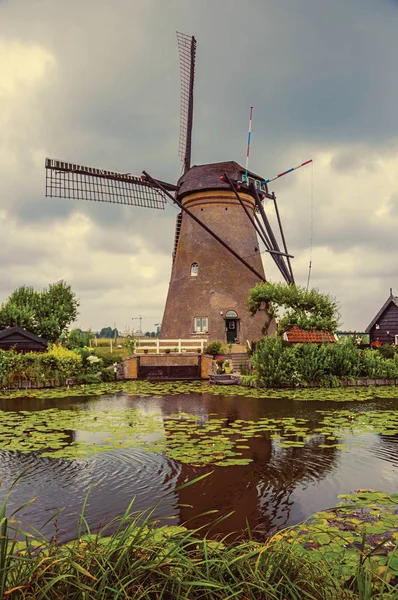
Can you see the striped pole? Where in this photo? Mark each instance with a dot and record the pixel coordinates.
(288, 171)
(248, 144)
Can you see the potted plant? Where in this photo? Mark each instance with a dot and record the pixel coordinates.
(167, 350)
(220, 366)
(227, 366)
(214, 348)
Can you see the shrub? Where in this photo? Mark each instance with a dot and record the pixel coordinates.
(275, 362)
(107, 375)
(68, 362)
(387, 351)
(57, 365)
(215, 347)
(107, 359)
(344, 358)
(90, 362)
(278, 363)
(130, 343)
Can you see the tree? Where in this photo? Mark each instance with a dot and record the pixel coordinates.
(46, 313)
(108, 332)
(309, 310)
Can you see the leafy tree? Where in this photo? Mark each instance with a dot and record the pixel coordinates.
(309, 310)
(46, 313)
(108, 332)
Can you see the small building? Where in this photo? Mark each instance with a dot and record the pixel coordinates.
(296, 335)
(384, 326)
(21, 340)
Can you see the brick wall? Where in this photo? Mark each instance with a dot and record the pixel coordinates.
(222, 283)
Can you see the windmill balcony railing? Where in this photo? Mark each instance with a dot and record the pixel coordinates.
(159, 346)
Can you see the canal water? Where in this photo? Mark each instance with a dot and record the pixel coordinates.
(281, 485)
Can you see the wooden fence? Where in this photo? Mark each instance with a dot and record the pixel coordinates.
(158, 346)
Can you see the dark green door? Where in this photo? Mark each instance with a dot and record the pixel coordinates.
(231, 327)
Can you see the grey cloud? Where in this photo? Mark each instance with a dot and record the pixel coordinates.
(319, 74)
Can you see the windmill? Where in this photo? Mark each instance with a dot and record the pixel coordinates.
(216, 257)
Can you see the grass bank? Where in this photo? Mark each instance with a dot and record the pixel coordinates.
(317, 560)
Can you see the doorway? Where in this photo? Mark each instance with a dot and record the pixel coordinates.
(231, 326)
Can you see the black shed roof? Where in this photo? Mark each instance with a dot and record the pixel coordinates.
(15, 331)
(390, 299)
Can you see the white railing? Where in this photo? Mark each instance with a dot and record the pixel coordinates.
(157, 346)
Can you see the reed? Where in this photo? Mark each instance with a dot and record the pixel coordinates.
(139, 561)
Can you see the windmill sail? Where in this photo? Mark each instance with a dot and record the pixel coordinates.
(67, 180)
(187, 53)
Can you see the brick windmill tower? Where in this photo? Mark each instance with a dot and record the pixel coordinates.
(221, 220)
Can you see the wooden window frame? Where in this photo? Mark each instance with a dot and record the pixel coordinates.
(204, 324)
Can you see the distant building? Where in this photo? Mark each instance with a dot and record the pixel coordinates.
(384, 326)
(21, 340)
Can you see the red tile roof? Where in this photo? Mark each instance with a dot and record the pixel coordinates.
(297, 335)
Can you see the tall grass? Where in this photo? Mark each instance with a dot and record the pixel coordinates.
(140, 562)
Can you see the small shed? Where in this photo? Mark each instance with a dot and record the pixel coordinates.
(296, 335)
(384, 326)
(21, 340)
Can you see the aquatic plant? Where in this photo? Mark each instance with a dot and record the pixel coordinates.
(183, 437)
(129, 557)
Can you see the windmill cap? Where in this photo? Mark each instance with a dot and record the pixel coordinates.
(208, 177)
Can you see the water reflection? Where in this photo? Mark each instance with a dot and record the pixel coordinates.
(280, 487)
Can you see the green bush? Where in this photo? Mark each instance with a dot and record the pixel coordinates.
(91, 363)
(278, 363)
(387, 351)
(55, 367)
(275, 362)
(215, 347)
(107, 375)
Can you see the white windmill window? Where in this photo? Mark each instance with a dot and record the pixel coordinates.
(194, 269)
(201, 324)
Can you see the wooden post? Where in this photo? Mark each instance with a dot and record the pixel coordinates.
(179, 346)
(157, 345)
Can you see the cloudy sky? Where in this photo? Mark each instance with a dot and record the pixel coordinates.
(96, 82)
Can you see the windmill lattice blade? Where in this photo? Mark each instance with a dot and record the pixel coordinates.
(187, 53)
(67, 180)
